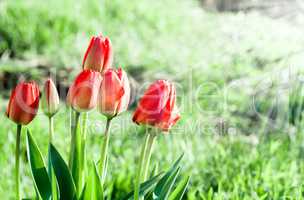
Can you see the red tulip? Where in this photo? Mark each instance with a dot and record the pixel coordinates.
(23, 104)
(114, 93)
(157, 106)
(83, 93)
(99, 55)
(50, 98)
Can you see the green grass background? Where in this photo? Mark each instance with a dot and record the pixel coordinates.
(233, 72)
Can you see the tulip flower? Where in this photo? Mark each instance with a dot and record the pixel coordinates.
(114, 93)
(99, 55)
(156, 108)
(23, 104)
(22, 108)
(50, 99)
(83, 93)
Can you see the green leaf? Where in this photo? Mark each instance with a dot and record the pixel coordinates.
(154, 170)
(210, 194)
(38, 169)
(66, 185)
(145, 187)
(76, 158)
(163, 181)
(180, 189)
(52, 177)
(93, 189)
(166, 189)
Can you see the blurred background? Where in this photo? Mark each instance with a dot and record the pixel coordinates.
(237, 65)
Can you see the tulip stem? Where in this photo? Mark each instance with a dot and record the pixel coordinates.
(140, 167)
(50, 168)
(104, 151)
(17, 161)
(148, 155)
(84, 136)
(76, 169)
(72, 114)
(51, 129)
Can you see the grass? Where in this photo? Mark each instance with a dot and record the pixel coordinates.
(231, 166)
(235, 148)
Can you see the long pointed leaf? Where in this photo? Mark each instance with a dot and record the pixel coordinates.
(76, 159)
(168, 186)
(66, 185)
(164, 179)
(180, 189)
(38, 169)
(93, 189)
(154, 170)
(145, 187)
(52, 177)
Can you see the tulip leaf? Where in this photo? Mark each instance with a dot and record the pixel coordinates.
(52, 177)
(93, 189)
(66, 185)
(145, 187)
(180, 189)
(38, 169)
(166, 189)
(154, 170)
(76, 159)
(160, 185)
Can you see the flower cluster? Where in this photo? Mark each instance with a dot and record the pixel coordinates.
(100, 86)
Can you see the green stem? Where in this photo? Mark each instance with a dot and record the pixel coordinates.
(76, 165)
(140, 166)
(17, 161)
(148, 155)
(51, 170)
(72, 114)
(84, 137)
(104, 151)
(51, 129)
(84, 124)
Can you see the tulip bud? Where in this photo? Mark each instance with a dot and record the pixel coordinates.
(23, 104)
(99, 55)
(50, 99)
(157, 106)
(114, 93)
(83, 93)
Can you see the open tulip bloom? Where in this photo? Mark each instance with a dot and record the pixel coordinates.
(100, 87)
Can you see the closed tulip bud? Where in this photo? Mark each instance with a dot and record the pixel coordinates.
(50, 99)
(99, 55)
(114, 93)
(83, 93)
(157, 106)
(23, 104)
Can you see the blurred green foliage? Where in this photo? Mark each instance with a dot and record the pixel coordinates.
(229, 70)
